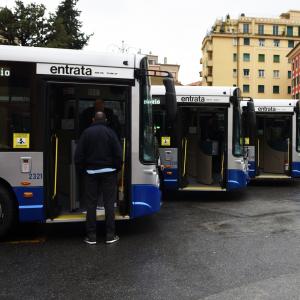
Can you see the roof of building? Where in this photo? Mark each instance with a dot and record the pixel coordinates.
(294, 51)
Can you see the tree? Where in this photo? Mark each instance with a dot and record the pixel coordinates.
(28, 26)
(32, 24)
(65, 27)
(25, 26)
(8, 25)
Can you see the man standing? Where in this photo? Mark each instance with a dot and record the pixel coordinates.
(99, 156)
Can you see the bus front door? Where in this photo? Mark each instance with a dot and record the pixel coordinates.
(71, 108)
(274, 146)
(201, 154)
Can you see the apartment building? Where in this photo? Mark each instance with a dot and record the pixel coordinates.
(155, 65)
(294, 59)
(251, 53)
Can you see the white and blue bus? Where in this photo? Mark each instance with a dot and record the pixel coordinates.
(203, 150)
(275, 151)
(43, 94)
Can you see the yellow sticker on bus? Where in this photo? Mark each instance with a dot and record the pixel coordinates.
(21, 140)
(166, 141)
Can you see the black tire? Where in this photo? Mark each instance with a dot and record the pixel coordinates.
(7, 211)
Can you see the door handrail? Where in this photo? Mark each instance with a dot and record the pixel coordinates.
(184, 156)
(55, 166)
(123, 165)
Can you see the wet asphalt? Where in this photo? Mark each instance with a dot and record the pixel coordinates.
(212, 246)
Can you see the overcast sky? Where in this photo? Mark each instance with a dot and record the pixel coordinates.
(168, 28)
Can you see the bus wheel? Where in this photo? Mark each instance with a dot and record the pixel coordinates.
(7, 211)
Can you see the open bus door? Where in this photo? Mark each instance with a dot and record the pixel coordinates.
(274, 145)
(70, 110)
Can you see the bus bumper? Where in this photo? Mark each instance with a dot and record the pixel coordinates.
(146, 200)
(30, 201)
(236, 179)
(295, 169)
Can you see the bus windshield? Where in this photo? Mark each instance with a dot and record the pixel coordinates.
(147, 145)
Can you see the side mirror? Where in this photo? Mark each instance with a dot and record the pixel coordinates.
(171, 102)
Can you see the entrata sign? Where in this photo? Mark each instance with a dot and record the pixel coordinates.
(84, 71)
(270, 109)
(202, 99)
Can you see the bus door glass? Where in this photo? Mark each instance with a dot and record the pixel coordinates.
(72, 108)
(274, 144)
(202, 146)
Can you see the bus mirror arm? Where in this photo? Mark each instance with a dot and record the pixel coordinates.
(171, 103)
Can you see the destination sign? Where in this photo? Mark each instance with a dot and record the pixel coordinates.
(274, 108)
(84, 71)
(202, 99)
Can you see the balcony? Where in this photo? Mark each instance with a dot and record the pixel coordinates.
(209, 63)
(209, 48)
(209, 78)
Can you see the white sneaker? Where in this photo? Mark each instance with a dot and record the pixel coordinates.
(112, 240)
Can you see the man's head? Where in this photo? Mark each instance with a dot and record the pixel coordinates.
(99, 105)
(99, 117)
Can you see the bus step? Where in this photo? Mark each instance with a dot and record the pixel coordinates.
(80, 217)
(203, 188)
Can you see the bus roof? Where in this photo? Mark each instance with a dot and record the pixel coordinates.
(68, 56)
(196, 90)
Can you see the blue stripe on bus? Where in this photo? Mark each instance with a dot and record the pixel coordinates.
(236, 179)
(30, 209)
(251, 169)
(146, 200)
(295, 169)
(170, 180)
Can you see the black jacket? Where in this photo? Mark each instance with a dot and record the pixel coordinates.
(97, 148)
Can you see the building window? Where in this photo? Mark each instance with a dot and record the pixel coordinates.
(276, 58)
(275, 73)
(289, 89)
(289, 30)
(246, 88)
(260, 29)
(234, 57)
(298, 30)
(276, 43)
(234, 41)
(261, 73)
(246, 72)
(246, 41)
(275, 89)
(261, 42)
(261, 88)
(275, 29)
(246, 57)
(289, 74)
(291, 44)
(246, 28)
(234, 72)
(261, 57)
